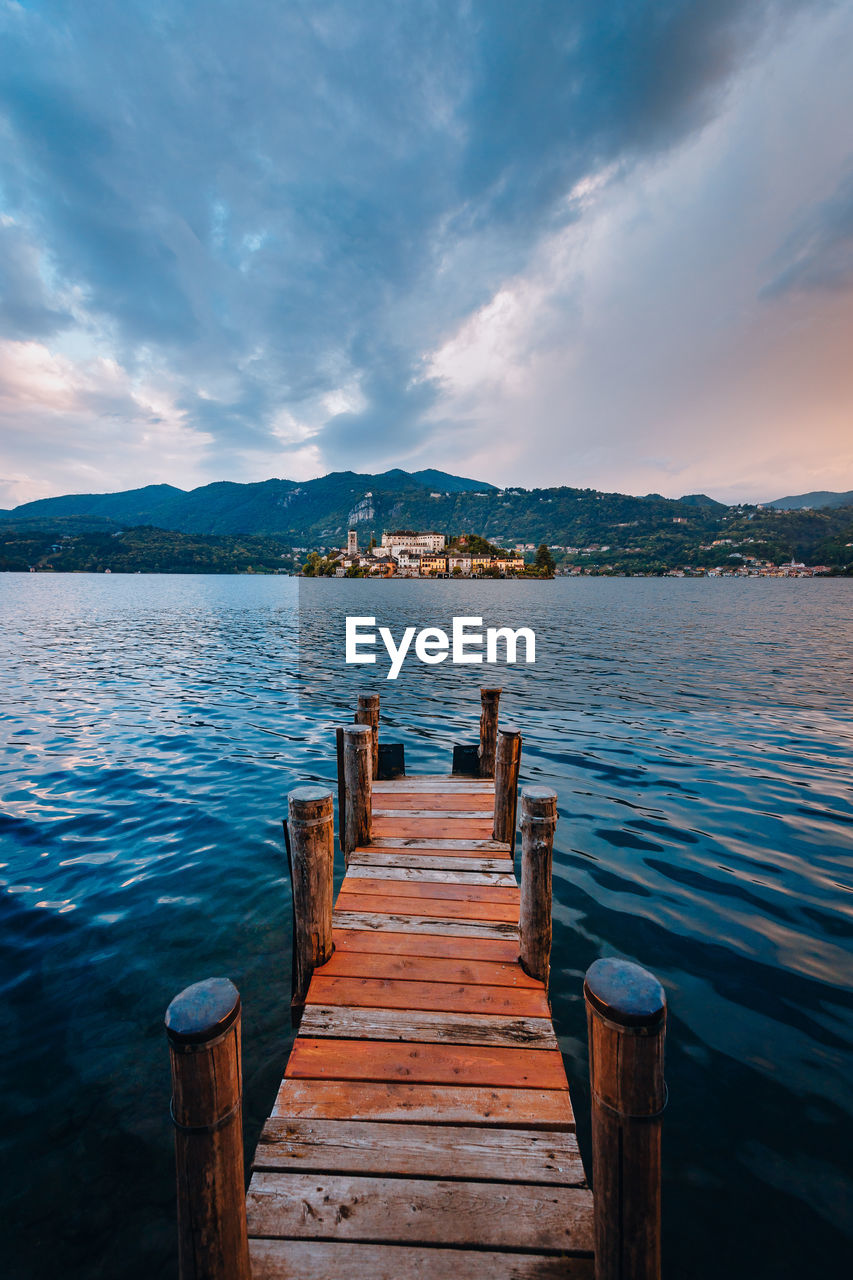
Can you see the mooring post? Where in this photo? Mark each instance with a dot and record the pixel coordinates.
(489, 699)
(310, 821)
(538, 823)
(507, 758)
(358, 772)
(368, 713)
(626, 1020)
(203, 1027)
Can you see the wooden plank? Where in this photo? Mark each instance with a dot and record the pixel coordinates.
(400, 923)
(433, 1104)
(457, 947)
(335, 1260)
(472, 862)
(432, 875)
(450, 816)
(314, 1058)
(397, 993)
(436, 786)
(431, 828)
(432, 890)
(433, 804)
(436, 845)
(380, 904)
(420, 968)
(420, 1211)
(426, 1027)
(425, 1151)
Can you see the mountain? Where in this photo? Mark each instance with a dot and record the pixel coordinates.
(611, 530)
(820, 498)
(702, 500)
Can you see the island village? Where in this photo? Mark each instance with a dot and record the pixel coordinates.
(405, 553)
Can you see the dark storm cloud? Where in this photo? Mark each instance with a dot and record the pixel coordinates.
(819, 252)
(284, 199)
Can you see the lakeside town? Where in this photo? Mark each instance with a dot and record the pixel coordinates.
(407, 553)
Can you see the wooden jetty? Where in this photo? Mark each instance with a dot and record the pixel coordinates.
(423, 1126)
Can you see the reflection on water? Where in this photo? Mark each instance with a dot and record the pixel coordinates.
(699, 739)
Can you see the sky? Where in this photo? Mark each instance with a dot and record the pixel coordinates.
(591, 243)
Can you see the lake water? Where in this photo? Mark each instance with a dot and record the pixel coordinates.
(698, 734)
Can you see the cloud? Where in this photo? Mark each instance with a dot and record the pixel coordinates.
(285, 213)
(818, 254)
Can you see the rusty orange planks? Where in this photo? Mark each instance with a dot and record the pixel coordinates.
(421, 968)
(432, 889)
(397, 993)
(443, 801)
(445, 908)
(425, 944)
(418, 1063)
(460, 828)
(427, 1103)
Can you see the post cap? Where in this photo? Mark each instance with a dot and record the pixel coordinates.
(362, 733)
(203, 1011)
(368, 699)
(538, 802)
(492, 692)
(625, 993)
(509, 731)
(310, 797)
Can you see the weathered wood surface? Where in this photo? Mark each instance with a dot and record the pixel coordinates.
(438, 861)
(435, 1151)
(341, 1021)
(421, 968)
(454, 947)
(367, 712)
(538, 822)
(437, 812)
(444, 908)
(353, 918)
(424, 1127)
(472, 847)
(435, 1104)
(489, 699)
(310, 825)
(457, 827)
(432, 785)
(328, 1059)
(203, 1028)
(332, 1260)
(358, 778)
(626, 1021)
(507, 762)
(431, 875)
(397, 993)
(422, 1211)
(436, 888)
(432, 803)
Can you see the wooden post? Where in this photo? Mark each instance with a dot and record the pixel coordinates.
(358, 773)
(368, 713)
(203, 1027)
(489, 699)
(342, 789)
(507, 757)
(312, 854)
(626, 1019)
(538, 822)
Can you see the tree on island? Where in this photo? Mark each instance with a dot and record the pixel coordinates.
(544, 559)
